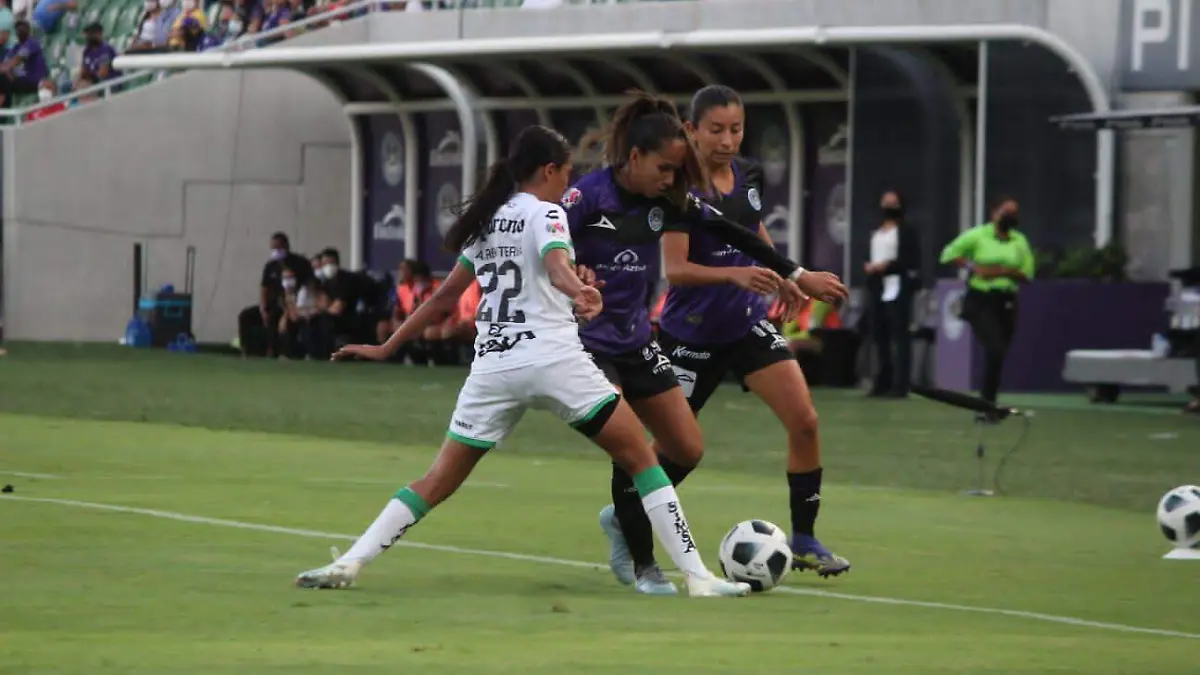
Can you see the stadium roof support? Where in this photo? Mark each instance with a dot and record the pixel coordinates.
(449, 64)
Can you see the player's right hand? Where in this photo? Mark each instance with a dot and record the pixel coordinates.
(588, 303)
(757, 279)
(367, 352)
(824, 286)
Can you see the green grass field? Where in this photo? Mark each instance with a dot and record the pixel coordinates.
(163, 504)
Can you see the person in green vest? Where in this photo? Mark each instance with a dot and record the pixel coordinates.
(998, 260)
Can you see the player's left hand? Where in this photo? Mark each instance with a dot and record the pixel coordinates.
(588, 276)
(588, 303)
(793, 300)
(824, 286)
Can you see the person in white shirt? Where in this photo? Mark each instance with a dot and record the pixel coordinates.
(893, 276)
(514, 239)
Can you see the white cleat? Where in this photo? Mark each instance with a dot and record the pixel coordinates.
(620, 561)
(715, 587)
(334, 575)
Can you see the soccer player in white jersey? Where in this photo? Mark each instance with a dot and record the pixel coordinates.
(514, 239)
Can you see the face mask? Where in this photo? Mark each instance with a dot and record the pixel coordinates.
(330, 270)
(892, 212)
(278, 254)
(234, 27)
(318, 273)
(188, 5)
(289, 283)
(166, 3)
(1007, 222)
(45, 94)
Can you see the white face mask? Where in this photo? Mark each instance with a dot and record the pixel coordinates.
(45, 94)
(329, 270)
(289, 283)
(318, 272)
(278, 254)
(234, 27)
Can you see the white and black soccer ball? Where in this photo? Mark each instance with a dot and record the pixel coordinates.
(756, 552)
(1179, 516)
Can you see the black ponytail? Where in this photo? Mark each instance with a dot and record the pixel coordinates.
(646, 123)
(535, 147)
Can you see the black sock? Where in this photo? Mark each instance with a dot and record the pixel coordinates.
(804, 496)
(635, 525)
(674, 471)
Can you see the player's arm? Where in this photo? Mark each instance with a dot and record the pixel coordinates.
(683, 272)
(432, 311)
(1024, 271)
(552, 236)
(960, 251)
(742, 239)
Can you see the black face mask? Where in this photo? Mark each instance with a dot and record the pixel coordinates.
(1007, 222)
(93, 41)
(892, 212)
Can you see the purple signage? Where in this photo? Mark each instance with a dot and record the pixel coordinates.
(827, 225)
(383, 202)
(441, 160)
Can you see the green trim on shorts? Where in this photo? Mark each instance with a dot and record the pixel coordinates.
(472, 442)
(466, 262)
(595, 410)
(556, 244)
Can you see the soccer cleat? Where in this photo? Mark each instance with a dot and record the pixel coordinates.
(652, 581)
(810, 554)
(715, 587)
(334, 575)
(620, 560)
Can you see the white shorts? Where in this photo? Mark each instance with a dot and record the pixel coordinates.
(490, 404)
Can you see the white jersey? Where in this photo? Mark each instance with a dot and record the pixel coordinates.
(522, 319)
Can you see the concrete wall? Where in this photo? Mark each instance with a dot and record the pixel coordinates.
(213, 160)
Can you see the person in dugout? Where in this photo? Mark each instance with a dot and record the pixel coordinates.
(998, 259)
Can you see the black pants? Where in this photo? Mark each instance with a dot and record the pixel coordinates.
(326, 333)
(257, 338)
(10, 87)
(993, 318)
(893, 343)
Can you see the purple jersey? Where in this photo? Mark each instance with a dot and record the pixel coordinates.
(33, 67)
(721, 313)
(95, 58)
(616, 234)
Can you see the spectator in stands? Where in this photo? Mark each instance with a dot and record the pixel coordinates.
(414, 285)
(165, 26)
(98, 55)
(48, 13)
(258, 325)
(24, 67)
(192, 36)
(146, 34)
(84, 81)
(270, 15)
(299, 302)
(8, 37)
(338, 321)
(46, 91)
(229, 25)
(190, 15)
(892, 281)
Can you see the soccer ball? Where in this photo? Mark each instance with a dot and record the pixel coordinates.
(1179, 516)
(756, 552)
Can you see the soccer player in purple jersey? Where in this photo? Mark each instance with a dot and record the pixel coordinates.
(617, 216)
(710, 326)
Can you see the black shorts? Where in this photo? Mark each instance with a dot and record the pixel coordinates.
(700, 368)
(638, 374)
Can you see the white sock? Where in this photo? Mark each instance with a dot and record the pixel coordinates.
(392, 523)
(671, 527)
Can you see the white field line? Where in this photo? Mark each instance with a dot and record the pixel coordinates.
(26, 474)
(315, 534)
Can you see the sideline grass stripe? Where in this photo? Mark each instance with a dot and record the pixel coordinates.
(562, 562)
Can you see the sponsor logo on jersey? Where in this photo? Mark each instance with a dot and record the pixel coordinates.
(755, 200)
(497, 343)
(603, 223)
(506, 226)
(655, 219)
(682, 352)
(572, 197)
(625, 261)
(554, 222)
(463, 425)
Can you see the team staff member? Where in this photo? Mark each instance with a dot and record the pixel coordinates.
(999, 260)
